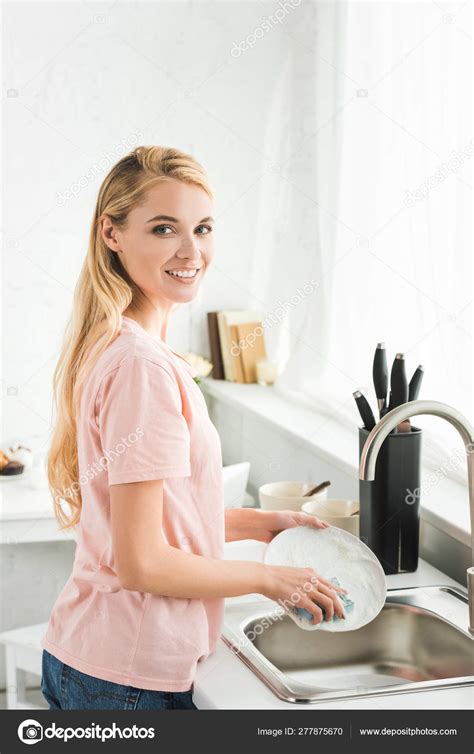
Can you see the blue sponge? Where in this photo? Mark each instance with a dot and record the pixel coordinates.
(347, 603)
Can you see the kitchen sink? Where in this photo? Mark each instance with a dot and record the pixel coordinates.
(419, 641)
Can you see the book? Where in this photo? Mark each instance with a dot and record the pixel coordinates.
(225, 347)
(250, 336)
(215, 346)
(225, 319)
(236, 361)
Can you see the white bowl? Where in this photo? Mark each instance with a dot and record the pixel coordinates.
(235, 478)
(341, 513)
(280, 496)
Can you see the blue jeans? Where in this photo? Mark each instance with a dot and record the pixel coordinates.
(64, 688)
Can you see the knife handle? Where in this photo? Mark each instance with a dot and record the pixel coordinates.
(380, 373)
(398, 381)
(365, 411)
(415, 383)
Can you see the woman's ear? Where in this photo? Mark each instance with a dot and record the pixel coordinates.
(109, 233)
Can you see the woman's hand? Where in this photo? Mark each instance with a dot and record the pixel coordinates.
(293, 587)
(253, 523)
(303, 587)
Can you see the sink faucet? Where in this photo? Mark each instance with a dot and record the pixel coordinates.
(378, 434)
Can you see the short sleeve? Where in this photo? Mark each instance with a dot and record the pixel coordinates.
(143, 432)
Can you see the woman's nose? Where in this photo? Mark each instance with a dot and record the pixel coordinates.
(189, 249)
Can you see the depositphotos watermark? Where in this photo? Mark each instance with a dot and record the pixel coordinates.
(99, 167)
(32, 732)
(441, 472)
(96, 468)
(267, 24)
(284, 607)
(275, 316)
(447, 168)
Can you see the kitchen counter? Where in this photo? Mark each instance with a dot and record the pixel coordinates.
(338, 446)
(224, 682)
(26, 511)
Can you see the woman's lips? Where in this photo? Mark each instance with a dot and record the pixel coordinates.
(187, 280)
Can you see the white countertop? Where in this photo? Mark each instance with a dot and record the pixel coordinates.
(224, 682)
(26, 510)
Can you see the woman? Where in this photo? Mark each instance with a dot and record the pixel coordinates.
(138, 462)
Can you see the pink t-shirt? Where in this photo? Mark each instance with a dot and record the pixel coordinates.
(142, 416)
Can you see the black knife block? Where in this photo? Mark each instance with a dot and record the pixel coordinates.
(390, 505)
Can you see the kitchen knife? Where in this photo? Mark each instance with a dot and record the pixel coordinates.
(399, 385)
(388, 407)
(415, 383)
(380, 376)
(365, 411)
(398, 381)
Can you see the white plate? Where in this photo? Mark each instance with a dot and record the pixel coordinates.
(333, 552)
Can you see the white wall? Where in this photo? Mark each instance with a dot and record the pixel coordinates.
(82, 79)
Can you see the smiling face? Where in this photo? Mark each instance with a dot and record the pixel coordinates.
(167, 244)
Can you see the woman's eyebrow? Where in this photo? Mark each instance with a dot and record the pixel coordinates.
(175, 219)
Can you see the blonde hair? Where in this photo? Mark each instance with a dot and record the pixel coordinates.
(103, 291)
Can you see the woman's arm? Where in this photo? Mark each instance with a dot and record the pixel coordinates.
(254, 523)
(146, 563)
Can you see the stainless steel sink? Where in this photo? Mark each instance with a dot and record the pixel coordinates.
(419, 641)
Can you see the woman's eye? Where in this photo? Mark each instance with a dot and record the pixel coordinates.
(206, 228)
(160, 230)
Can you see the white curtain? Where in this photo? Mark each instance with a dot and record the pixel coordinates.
(296, 225)
(373, 203)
